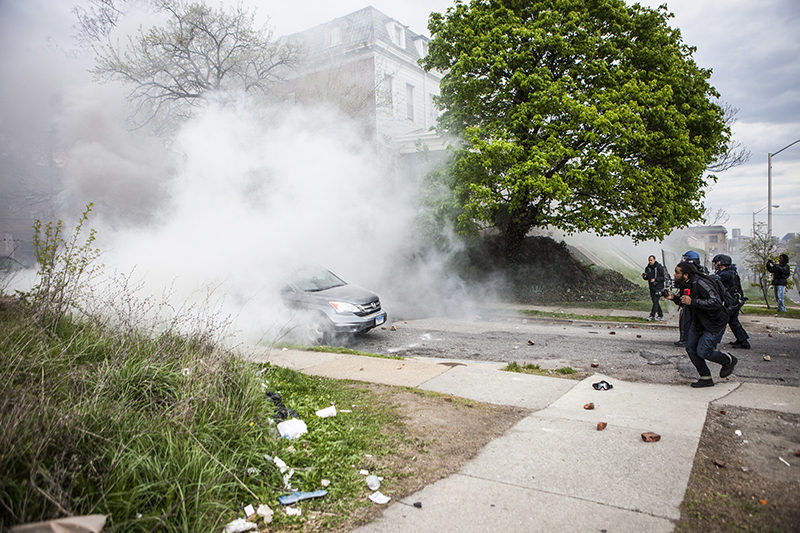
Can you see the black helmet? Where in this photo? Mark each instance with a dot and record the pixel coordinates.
(722, 259)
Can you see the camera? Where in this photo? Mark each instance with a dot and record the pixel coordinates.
(664, 293)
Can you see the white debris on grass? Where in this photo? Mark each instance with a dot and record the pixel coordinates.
(379, 498)
(239, 525)
(265, 512)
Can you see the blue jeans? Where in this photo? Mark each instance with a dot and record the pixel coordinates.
(701, 345)
(780, 291)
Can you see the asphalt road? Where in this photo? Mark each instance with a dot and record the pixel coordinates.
(639, 352)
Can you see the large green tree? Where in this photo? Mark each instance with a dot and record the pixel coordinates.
(580, 114)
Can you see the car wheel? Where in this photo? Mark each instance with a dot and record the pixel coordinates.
(314, 332)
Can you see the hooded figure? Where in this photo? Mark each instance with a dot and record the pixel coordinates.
(780, 276)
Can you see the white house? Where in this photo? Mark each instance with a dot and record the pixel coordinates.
(367, 64)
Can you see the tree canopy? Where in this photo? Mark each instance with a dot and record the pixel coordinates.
(580, 114)
(198, 52)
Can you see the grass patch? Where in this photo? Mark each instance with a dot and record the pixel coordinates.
(763, 311)
(574, 316)
(167, 432)
(534, 369)
(338, 350)
(634, 305)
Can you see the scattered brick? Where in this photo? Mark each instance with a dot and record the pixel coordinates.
(595, 365)
(649, 436)
(531, 343)
(589, 406)
(601, 426)
(612, 332)
(393, 328)
(719, 464)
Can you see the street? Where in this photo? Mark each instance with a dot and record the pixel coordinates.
(641, 352)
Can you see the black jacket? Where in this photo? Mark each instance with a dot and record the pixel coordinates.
(728, 278)
(655, 271)
(780, 273)
(707, 308)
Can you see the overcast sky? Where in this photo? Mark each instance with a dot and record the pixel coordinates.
(752, 47)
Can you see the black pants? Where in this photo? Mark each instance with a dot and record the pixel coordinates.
(736, 326)
(656, 310)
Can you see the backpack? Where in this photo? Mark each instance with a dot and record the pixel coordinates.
(729, 301)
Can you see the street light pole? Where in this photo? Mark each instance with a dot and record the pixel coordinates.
(757, 212)
(769, 189)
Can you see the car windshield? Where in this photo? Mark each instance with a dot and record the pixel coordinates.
(314, 278)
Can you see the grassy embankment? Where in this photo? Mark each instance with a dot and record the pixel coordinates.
(159, 427)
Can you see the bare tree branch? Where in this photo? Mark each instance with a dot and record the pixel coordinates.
(736, 154)
(173, 69)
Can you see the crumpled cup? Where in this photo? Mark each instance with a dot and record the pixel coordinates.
(373, 482)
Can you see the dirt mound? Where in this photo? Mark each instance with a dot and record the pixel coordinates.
(545, 271)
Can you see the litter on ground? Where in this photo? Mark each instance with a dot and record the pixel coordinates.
(292, 428)
(239, 525)
(300, 496)
(379, 498)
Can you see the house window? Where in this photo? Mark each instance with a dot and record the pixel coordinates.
(410, 101)
(336, 35)
(713, 238)
(422, 46)
(387, 92)
(397, 34)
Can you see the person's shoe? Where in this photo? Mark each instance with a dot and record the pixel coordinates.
(649, 319)
(679, 343)
(701, 383)
(735, 343)
(741, 345)
(659, 318)
(727, 370)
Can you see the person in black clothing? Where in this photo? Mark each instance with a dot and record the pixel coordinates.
(684, 319)
(780, 276)
(654, 274)
(730, 279)
(708, 320)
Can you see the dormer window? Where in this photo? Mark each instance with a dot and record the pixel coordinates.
(335, 35)
(421, 44)
(397, 32)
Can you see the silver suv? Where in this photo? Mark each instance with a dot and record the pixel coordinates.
(327, 306)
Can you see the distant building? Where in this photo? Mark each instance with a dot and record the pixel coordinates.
(366, 63)
(712, 239)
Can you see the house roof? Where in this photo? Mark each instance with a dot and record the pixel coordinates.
(704, 230)
(359, 29)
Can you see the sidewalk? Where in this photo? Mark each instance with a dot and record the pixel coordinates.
(553, 471)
